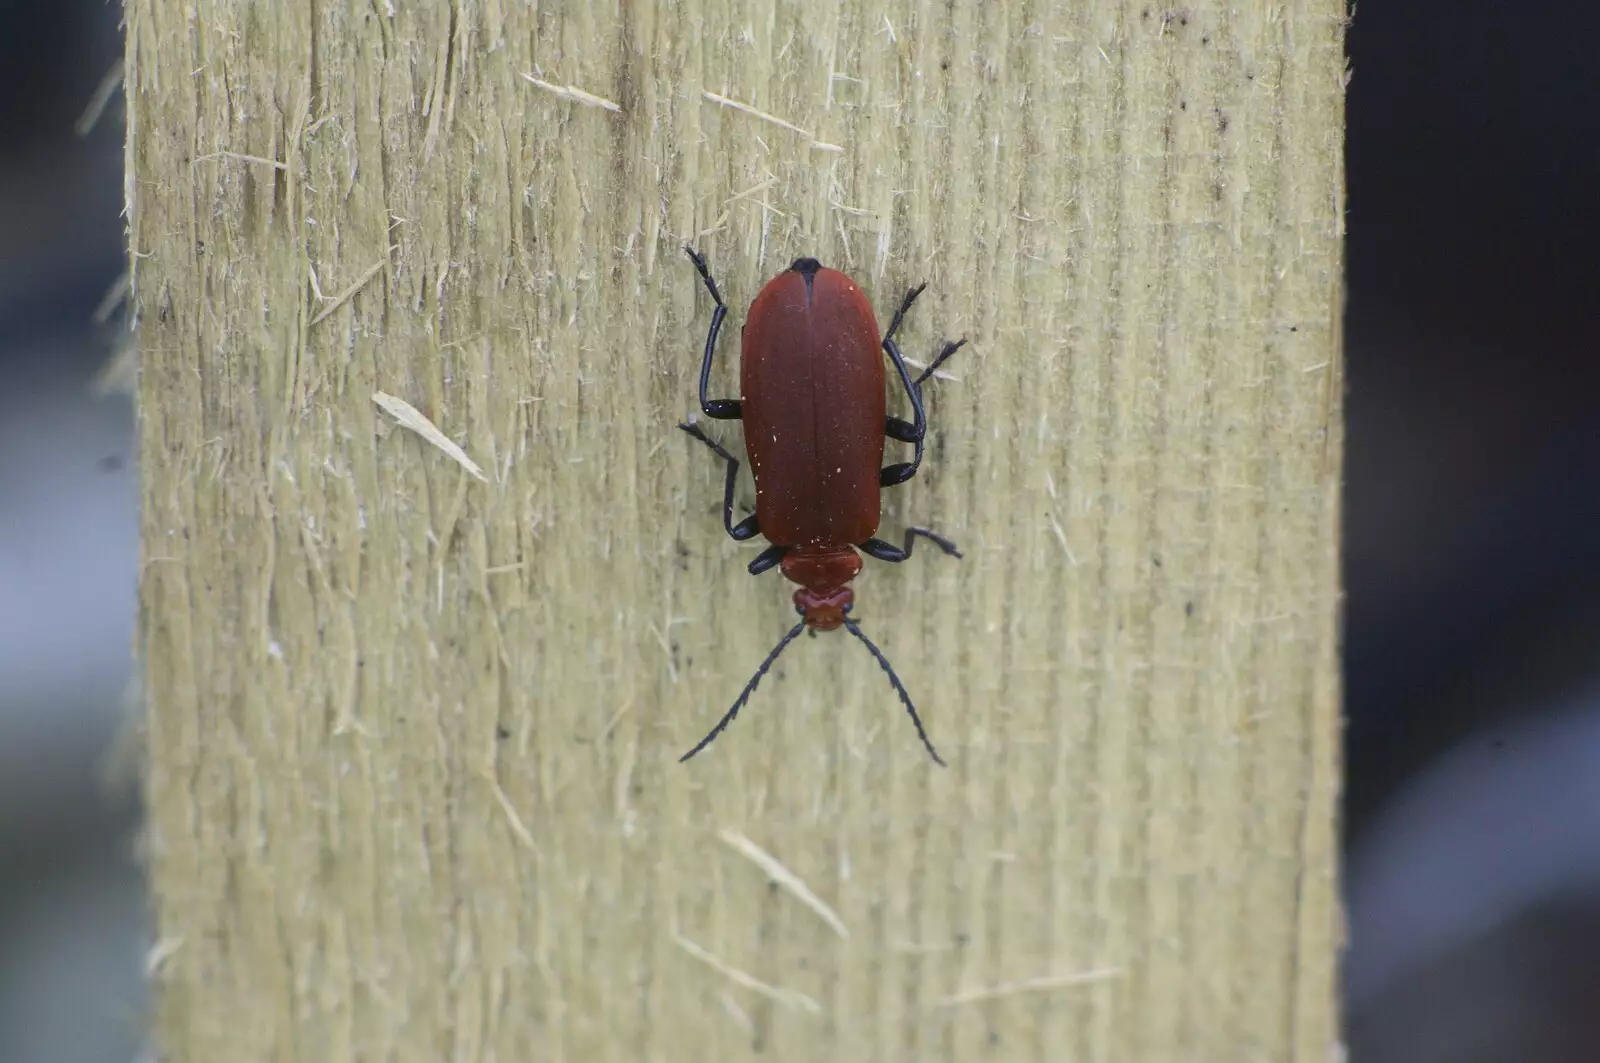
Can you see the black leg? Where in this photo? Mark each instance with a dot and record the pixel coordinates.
(939, 359)
(766, 559)
(900, 313)
(889, 552)
(721, 409)
(747, 528)
(915, 430)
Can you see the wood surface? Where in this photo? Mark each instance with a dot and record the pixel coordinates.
(413, 732)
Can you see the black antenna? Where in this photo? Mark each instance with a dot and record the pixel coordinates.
(899, 688)
(750, 688)
(944, 356)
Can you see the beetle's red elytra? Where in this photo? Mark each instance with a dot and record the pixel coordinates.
(815, 421)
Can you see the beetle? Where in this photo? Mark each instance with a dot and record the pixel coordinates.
(815, 423)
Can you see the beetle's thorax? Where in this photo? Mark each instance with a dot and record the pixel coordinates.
(822, 573)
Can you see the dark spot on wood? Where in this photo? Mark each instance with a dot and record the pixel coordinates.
(1183, 105)
(1294, 328)
(1188, 608)
(502, 733)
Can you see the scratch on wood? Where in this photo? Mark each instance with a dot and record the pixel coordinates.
(738, 1014)
(1061, 537)
(518, 828)
(1029, 985)
(752, 190)
(860, 212)
(624, 785)
(274, 163)
(355, 286)
(747, 109)
(666, 649)
(574, 94)
(410, 417)
(785, 878)
(789, 997)
(611, 725)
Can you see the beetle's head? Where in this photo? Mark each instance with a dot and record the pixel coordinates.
(822, 574)
(823, 610)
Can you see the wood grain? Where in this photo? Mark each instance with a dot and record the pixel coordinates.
(413, 790)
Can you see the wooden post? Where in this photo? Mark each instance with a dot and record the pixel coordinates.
(413, 783)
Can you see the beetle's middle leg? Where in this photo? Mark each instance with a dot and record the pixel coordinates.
(884, 551)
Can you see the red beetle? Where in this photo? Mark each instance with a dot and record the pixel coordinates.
(815, 422)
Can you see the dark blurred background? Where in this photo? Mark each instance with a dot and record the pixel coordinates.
(1472, 551)
(72, 937)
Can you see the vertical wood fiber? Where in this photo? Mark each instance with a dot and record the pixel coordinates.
(413, 789)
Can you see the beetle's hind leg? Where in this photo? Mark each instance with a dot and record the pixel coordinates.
(884, 551)
(747, 528)
(939, 359)
(914, 431)
(906, 431)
